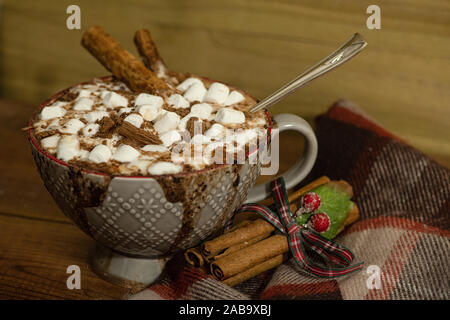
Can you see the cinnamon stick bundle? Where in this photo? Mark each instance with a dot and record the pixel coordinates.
(250, 247)
(123, 65)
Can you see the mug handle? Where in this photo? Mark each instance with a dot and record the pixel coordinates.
(302, 167)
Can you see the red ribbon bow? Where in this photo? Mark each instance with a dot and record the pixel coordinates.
(301, 237)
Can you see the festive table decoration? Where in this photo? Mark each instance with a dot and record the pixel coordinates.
(263, 236)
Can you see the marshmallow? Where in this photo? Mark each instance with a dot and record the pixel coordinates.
(167, 122)
(141, 165)
(124, 110)
(243, 137)
(183, 123)
(96, 116)
(148, 111)
(154, 148)
(54, 124)
(50, 142)
(51, 112)
(135, 119)
(234, 97)
(215, 130)
(72, 126)
(231, 116)
(150, 99)
(82, 104)
(125, 153)
(217, 93)
(90, 87)
(91, 129)
(68, 148)
(200, 139)
(170, 137)
(112, 142)
(83, 154)
(164, 167)
(103, 93)
(196, 92)
(84, 94)
(187, 83)
(177, 101)
(201, 110)
(114, 100)
(257, 122)
(100, 153)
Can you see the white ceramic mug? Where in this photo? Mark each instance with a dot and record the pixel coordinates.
(302, 167)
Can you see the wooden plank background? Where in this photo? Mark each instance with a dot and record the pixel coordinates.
(402, 79)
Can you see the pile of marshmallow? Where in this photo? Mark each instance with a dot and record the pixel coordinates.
(78, 122)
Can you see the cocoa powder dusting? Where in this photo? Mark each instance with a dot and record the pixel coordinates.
(179, 111)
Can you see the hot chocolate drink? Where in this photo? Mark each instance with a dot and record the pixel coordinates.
(188, 123)
(190, 141)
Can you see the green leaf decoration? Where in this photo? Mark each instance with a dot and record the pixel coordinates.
(336, 203)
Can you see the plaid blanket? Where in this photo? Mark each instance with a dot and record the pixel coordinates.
(403, 234)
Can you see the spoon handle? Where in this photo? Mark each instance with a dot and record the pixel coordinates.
(348, 50)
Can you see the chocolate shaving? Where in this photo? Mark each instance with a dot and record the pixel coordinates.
(196, 122)
(45, 134)
(106, 124)
(69, 96)
(141, 136)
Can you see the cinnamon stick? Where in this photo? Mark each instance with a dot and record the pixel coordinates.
(149, 52)
(239, 246)
(123, 65)
(257, 269)
(254, 229)
(250, 256)
(194, 257)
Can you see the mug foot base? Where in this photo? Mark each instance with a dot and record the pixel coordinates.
(132, 273)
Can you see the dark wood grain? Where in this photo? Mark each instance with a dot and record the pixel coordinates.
(35, 254)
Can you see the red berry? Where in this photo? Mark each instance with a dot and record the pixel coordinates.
(320, 222)
(311, 202)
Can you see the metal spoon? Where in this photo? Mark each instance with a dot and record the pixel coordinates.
(347, 51)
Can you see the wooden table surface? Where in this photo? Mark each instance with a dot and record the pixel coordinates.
(37, 242)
